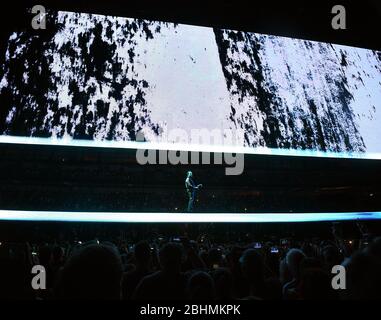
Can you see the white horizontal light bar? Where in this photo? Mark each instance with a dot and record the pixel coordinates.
(13, 215)
(184, 147)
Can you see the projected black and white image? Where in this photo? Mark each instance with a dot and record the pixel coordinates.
(100, 78)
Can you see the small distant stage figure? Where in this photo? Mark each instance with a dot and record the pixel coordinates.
(191, 189)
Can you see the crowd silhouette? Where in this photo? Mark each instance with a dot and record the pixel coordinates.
(178, 268)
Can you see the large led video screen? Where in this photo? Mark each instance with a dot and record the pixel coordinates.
(101, 80)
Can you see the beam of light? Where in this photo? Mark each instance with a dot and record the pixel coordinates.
(185, 147)
(141, 217)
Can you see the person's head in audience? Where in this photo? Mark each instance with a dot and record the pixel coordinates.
(215, 258)
(253, 271)
(233, 258)
(363, 274)
(200, 286)
(294, 258)
(92, 272)
(171, 256)
(142, 255)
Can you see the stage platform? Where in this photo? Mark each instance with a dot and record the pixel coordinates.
(161, 217)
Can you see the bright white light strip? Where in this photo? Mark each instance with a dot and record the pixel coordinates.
(184, 147)
(183, 217)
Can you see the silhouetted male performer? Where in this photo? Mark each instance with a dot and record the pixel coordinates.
(191, 188)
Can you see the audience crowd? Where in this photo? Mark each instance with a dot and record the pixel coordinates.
(178, 268)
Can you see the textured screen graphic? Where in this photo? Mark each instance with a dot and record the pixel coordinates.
(103, 78)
